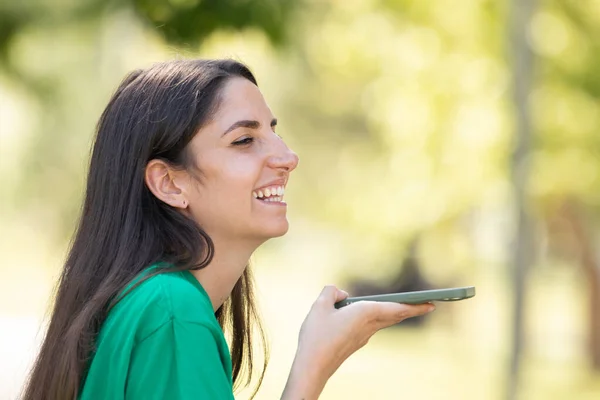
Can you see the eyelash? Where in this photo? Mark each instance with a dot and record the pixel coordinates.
(243, 141)
(248, 140)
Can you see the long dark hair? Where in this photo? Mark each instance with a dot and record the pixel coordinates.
(124, 229)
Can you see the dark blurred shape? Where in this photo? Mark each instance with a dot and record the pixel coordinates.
(189, 21)
(409, 278)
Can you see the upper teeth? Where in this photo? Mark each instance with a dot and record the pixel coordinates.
(272, 191)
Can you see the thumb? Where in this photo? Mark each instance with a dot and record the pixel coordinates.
(331, 294)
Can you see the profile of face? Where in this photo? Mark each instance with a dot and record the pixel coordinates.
(236, 189)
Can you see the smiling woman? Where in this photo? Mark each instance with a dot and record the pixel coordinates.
(186, 180)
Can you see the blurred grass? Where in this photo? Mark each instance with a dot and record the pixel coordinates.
(461, 353)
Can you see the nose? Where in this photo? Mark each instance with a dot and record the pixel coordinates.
(283, 157)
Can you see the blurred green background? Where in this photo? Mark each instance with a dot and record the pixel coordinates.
(442, 144)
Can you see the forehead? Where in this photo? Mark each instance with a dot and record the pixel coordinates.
(241, 99)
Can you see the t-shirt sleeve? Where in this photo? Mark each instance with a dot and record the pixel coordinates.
(180, 360)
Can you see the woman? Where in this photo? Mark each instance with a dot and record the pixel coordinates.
(186, 180)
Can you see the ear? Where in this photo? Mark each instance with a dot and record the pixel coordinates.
(166, 183)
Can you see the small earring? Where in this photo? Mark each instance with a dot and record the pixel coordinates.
(184, 203)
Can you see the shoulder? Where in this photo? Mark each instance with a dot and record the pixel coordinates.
(159, 299)
(182, 295)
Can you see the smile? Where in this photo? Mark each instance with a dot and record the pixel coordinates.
(272, 194)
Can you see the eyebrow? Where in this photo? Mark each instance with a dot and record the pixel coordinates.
(246, 123)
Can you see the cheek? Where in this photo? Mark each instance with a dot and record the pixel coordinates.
(230, 181)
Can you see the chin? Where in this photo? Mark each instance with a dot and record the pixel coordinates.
(274, 231)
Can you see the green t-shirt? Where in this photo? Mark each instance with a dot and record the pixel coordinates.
(161, 341)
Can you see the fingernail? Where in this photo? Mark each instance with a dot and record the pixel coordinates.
(431, 308)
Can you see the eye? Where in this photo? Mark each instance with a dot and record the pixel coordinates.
(243, 141)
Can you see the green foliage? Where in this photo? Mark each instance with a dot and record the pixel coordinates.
(179, 21)
(190, 21)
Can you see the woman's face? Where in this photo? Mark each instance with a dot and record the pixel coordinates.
(244, 167)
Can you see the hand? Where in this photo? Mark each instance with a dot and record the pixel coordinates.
(329, 336)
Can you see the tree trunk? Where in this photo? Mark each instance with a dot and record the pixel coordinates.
(521, 61)
(591, 268)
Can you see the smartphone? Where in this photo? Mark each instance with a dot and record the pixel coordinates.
(423, 296)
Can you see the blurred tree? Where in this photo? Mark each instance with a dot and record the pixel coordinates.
(574, 228)
(565, 34)
(523, 245)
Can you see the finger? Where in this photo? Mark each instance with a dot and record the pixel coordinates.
(331, 294)
(341, 295)
(392, 313)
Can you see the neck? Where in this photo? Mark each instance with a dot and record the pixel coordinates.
(227, 266)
